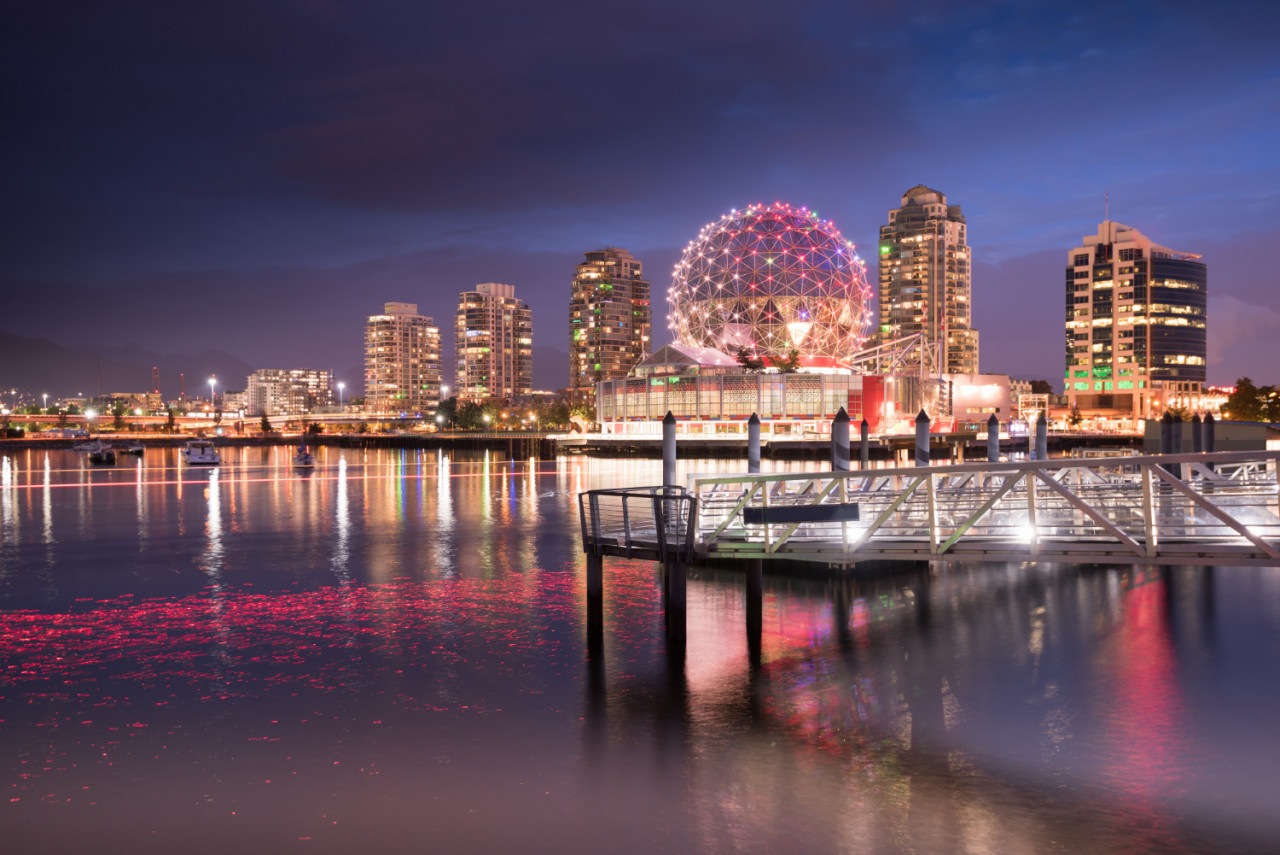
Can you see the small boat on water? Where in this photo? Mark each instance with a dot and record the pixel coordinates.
(102, 454)
(136, 449)
(303, 457)
(91, 445)
(200, 452)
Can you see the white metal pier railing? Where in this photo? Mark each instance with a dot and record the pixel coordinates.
(1220, 508)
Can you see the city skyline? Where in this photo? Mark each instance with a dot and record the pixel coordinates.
(142, 183)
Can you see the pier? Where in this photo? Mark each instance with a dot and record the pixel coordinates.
(1220, 508)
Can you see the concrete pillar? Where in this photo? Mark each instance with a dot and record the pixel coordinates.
(1042, 438)
(865, 449)
(595, 575)
(922, 439)
(840, 442)
(669, 450)
(993, 439)
(1197, 435)
(753, 443)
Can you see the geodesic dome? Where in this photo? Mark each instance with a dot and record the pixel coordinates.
(770, 278)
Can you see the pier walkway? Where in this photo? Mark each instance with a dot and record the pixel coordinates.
(1219, 508)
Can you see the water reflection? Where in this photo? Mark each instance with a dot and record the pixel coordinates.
(412, 660)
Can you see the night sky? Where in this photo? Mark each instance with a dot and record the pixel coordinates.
(260, 176)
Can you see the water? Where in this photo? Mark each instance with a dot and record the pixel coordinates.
(389, 654)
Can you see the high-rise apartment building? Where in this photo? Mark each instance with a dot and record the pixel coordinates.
(287, 391)
(609, 320)
(494, 333)
(925, 283)
(401, 361)
(1135, 324)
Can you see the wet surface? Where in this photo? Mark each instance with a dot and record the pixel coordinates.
(390, 653)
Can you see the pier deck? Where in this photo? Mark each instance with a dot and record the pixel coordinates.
(1210, 509)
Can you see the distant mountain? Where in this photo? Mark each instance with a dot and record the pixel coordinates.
(39, 366)
(550, 368)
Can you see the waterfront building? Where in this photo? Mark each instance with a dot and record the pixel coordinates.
(609, 320)
(925, 281)
(286, 392)
(1135, 325)
(401, 362)
(494, 336)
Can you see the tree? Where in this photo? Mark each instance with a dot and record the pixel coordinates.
(448, 409)
(217, 416)
(1075, 417)
(363, 427)
(788, 364)
(1041, 387)
(32, 410)
(171, 420)
(117, 415)
(62, 418)
(1245, 403)
(266, 424)
(314, 429)
(751, 363)
(73, 410)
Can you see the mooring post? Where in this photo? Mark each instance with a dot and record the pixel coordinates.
(1042, 437)
(993, 439)
(840, 442)
(1166, 440)
(675, 590)
(1197, 437)
(922, 439)
(669, 450)
(753, 443)
(864, 453)
(755, 609)
(1208, 428)
(595, 605)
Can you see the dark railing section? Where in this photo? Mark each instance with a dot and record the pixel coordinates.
(656, 523)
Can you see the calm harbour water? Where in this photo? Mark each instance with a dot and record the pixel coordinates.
(389, 654)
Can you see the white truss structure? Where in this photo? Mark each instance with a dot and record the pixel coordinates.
(1221, 508)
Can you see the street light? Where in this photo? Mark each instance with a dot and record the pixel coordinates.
(341, 386)
(213, 400)
(45, 396)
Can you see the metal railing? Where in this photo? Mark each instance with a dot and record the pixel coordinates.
(642, 522)
(1192, 508)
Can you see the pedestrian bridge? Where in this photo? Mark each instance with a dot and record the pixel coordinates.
(1207, 508)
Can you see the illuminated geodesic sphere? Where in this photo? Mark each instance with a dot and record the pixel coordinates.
(771, 278)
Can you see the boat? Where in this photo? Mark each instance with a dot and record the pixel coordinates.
(136, 449)
(303, 457)
(103, 454)
(91, 445)
(200, 452)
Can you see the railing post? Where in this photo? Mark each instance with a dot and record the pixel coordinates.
(753, 443)
(840, 442)
(669, 450)
(1148, 512)
(1031, 513)
(922, 439)
(1197, 435)
(1042, 438)
(993, 439)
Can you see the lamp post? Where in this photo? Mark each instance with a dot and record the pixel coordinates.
(341, 386)
(213, 400)
(45, 407)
